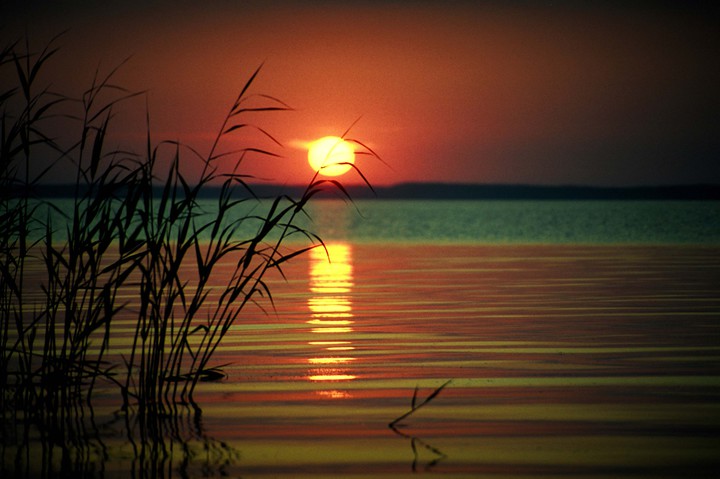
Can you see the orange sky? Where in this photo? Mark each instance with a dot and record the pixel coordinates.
(448, 91)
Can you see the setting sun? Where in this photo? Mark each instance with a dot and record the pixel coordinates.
(331, 156)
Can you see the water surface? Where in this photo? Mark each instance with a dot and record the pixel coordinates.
(571, 361)
(490, 221)
(589, 355)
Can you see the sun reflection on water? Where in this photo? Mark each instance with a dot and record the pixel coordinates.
(331, 282)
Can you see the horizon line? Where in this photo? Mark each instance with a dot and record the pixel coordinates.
(451, 190)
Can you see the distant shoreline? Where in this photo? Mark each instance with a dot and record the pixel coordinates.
(457, 191)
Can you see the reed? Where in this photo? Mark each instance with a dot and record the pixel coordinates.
(124, 236)
(415, 405)
(24, 110)
(415, 442)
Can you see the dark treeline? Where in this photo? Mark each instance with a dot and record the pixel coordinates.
(459, 191)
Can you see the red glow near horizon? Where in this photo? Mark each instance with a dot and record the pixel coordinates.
(486, 93)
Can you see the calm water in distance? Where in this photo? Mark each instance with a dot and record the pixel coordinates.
(501, 221)
(519, 222)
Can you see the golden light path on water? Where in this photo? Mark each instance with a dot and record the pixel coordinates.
(331, 283)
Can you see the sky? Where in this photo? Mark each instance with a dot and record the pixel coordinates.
(553, 93)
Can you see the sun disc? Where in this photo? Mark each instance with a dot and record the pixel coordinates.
(331, 156)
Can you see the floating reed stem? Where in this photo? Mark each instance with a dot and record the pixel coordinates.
(414, 405)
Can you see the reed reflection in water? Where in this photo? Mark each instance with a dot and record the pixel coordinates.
(331, 318)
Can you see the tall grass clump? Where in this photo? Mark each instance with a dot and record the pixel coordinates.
(24, 110)
(136, 229)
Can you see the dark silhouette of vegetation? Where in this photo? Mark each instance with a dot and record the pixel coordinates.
(136, 229)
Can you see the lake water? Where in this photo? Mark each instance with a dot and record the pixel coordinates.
(582, 339)
(494, 222)
(521, 222)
